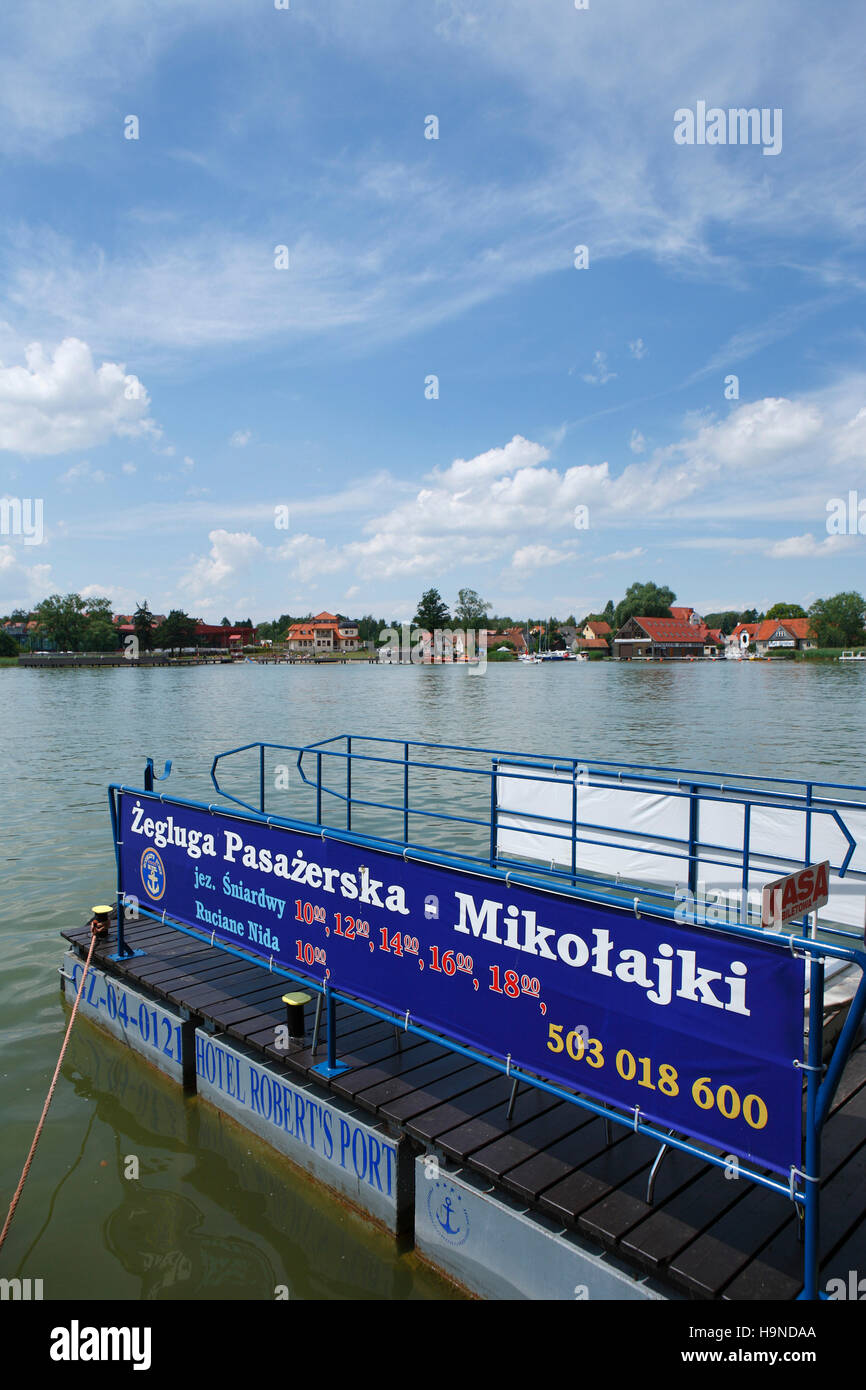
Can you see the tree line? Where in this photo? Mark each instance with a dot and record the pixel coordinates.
(73, 623)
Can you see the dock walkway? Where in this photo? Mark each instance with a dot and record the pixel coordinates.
(704, 1236)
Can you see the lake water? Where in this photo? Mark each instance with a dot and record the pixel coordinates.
(214, 1213)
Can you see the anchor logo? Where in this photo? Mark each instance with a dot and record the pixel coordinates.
(448, 1212)
(152, 874)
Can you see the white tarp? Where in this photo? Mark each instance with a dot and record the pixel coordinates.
(638, 820)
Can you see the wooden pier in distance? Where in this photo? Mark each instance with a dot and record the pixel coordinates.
(703, 1236)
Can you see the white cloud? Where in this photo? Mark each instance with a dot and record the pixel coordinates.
(807, 548)
(188, 464)
(600, 373)
(625, 554)
(240, 438)
(230, 553)
(536, 556)
(309, 557)
(129, 468)
(62, 401)
(21, 585)
(637, 348)
(81, 471)
(637, 443)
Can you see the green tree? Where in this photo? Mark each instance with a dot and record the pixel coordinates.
(8, 645)
(100, 635)
(839, 621)
(142, 621)
(62, 619)
(178, 630)
(786, 610)
(224, 622)
(645, 600)
(726, 620)
(432, 611)
(471, 610)
(610, 611)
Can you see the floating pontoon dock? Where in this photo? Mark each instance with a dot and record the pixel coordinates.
(377, 1083)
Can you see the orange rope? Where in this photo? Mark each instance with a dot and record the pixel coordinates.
(48, 1098)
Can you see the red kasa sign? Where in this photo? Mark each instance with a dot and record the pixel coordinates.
(798, 893)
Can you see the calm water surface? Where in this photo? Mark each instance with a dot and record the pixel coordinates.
(214, 1213)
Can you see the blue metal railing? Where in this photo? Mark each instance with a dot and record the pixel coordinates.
(812, 799)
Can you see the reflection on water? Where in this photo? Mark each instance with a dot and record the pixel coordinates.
(156, 1236)
(215, 1214)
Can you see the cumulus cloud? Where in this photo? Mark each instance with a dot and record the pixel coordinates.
(806, 547)
(21, 585)
(537, 556)
(309, 557)
(62, 401)
(240, 438)
(230, 552)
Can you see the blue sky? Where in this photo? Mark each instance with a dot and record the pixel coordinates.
(164, 386)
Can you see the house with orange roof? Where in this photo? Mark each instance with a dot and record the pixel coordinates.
(776, 634)
(326, 632)
(661, 639)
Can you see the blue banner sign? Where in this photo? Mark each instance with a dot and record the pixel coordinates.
(699, 1031)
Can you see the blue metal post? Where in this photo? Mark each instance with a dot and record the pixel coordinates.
(693, 840)
(262, 778)
(123, 952)
(349, 783)
(331, 1067)
(318, 789)
(747, 831)
(493, 775)
(813, 1132)
(574, 820)
(121, 947)
(405, 793)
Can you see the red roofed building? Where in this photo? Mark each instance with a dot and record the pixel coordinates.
(515, 636)
(776, 634)
(228, 638)
(596, 628)
(593, 644)
(657, 639)
(327, 632)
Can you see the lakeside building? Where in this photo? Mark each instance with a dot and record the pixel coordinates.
(126, 626)
(226, 638)
(593, 644)
(596, 628)
(326, 632)
(775, 634)
(684, 634)
(517, 637)
(206, 634)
